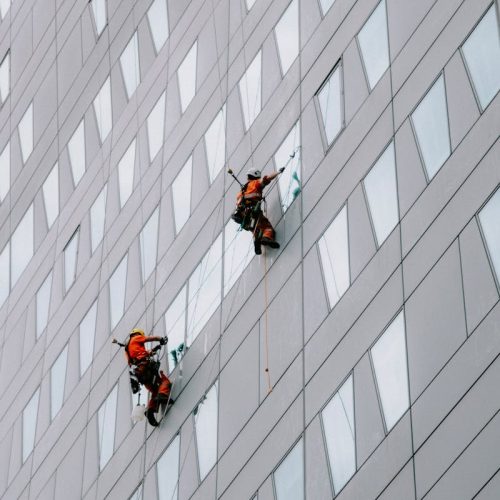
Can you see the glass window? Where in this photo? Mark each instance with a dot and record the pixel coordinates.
(5, 78)
(430, 122)
(181, 193)
(334, 252)
(149, 245)
(43, 305)
(374, 45)
(99, 11)
(98, 218)
(186, 76)
(117, 287)
(4, 7)
(22, 245)
(250, 4)
(70, 258)
(126, 174)
(158, 22)
(389, 363)
(289, 476)
(330, 101)
(30, 414)
(5, 172)
(489, 218)
(382, 195)
(129, 61)
(215, 144)
(289, 181)
(26, 133)
(340, 435)
(204, 290)
(250, 90)
(4, 273)
(106, 417)
(167, 471)
(57, 383)
(287, 36)
(87, 336)
(156, 127)
(206, 430)
(175, 326)
(326, 5)
(76, 149)
(50, 191)
(103, 110)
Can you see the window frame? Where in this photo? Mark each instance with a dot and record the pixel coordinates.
(76, 232)
(246, 129)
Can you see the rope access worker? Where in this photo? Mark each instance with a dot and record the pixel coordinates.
(249, 213)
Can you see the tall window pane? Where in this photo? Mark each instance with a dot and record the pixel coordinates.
(4, 7)
(117, 287)
(482, 53)
(103, 111)
(250, 4)
(43, 305)
(250, 90)
(331, 105)
(5, 172)
(26, 133)
(181, 193)
(206, 431)
(430, 121)
(50, 191)
(129, 61)
(149, 245)
(287, 36)
(381, 191)
(4, 273)
(99, 11)
(389, 363)
(326, 5)
(340, 435)
(76, 149)
(158, 22)
(186, 75)
(215, 144)
(289, 476)
(156, 127)
(334, 252)
(57, 383)
(167, 471)
(86, 337)
(374, 45)
(5, 78)
(98, 218)
(22, 245)
(70, 259)
(489, 217)
(30, 414)
(107, 419)
(126, 174)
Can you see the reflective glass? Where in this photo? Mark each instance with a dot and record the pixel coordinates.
(149, 245)
(5, 78)
(76, 149)
(70, 258)
(204, 290)
(117, 288)
(43, 305)
(181, 193)
(129, 61)
(57, 383)
(5, 172)
(158, 22)
(50, 191)
(482, 53)
(381, 191)
(215, 144)
(98, 218)
(167, 470)
(340, 435)
(489, 217)
(30, 414)
(430, 121)
(250, 4)
(26, 133)
(99, 11)
(206, 430)
(156, 127)
(289, 476)
(106, 420)
(289, 181)
(103, 111)
(87, 336)
(126, 174)
(186, 75)
(326, 5)
(287, 36)
(4, 273)
(374, 45)
(334, 251)
(4, 7)
(250, 90)
(389, 363)
(330, 103)
(22, 245)
(175, 326)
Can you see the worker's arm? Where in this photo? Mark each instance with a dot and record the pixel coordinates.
(154, 338)
(268, 178)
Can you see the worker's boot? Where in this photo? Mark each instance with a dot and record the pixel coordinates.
(269, 242)
(257, 246)
(150, 415)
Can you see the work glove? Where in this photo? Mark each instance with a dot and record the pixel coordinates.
(163, 340)
(281, 170)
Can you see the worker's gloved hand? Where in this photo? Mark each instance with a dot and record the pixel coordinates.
(163, 340)
(281, 170)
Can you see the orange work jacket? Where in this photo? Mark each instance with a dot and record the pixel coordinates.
(253, 190)
(135, 349)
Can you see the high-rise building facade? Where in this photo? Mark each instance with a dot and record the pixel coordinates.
(358, 361)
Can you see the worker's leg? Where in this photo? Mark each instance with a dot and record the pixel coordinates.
(266, 231)
(164, 389)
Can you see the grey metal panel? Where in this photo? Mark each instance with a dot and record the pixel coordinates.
(22, 48)
(271, 75)
(402, 486)
(207, 488)
(47, 492)
(90, 465)
(312, 147)
(68, 481)
(490, 489)
(5, 459)
(310, 17)
(188, 475)
(266, 491)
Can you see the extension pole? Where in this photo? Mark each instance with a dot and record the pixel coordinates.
(230, 172)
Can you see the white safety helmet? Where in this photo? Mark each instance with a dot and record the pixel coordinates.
(254, 172)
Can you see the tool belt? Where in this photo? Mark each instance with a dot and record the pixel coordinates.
(247, 213)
